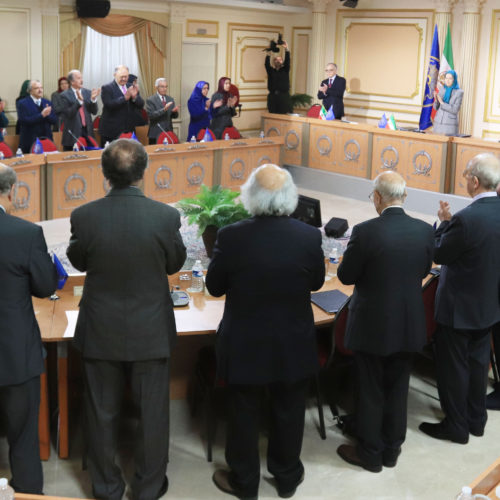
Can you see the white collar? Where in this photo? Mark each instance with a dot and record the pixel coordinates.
(487, 194)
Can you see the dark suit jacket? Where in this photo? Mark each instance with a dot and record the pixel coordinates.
(267, 267)
(127, 244)
(118, 115)
(71, 115)
(386, 259)
(334, 96)
(25, 270)
(32, 123)
(468, 247)
(157, 115)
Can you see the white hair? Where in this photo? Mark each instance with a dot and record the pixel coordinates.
(261, 201)
(486, 167)
(71, 73)
(158, 80)
(7, 179)
(121, 66)
(391, 186)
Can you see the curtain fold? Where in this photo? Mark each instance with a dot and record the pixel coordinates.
(115, 24)
(72, 42)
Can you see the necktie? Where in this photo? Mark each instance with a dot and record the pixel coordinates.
(38, 102)
(124, 89)
(163, 100)
(82, 116)
(330, 82)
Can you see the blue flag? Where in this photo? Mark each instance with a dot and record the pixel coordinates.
(207, 137)
(134, 137)
(62, 275)
(330, 115)
(383, 122)
(430, 83)
(38, 148)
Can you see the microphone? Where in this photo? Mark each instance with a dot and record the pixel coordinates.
(76, 139)
(164, 131)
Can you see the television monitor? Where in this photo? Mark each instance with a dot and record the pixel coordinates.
(308, 210)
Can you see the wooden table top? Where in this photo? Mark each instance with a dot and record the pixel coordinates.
(487, 481)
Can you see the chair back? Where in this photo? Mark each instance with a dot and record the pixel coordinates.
(97, 119)
(126, 135)
(429, 295)
(170, 136)
(314, 111)
(232, 132)
(47, 145)
(144, 116)
(7, 152)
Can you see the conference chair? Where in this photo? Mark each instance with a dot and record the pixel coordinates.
(314, 111)
(7, 152)
(47, 145)
(88, 142)
(170, 136)
(201, 134)
(97, 120)
(232, 132)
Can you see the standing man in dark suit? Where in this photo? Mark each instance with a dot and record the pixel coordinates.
(386, 259)
(127, 244)
(35, 117)
(267, 266)
(331, 91)
(78, 105)
(467, 302)
(25, 270)
(120, 105)
(161, 109)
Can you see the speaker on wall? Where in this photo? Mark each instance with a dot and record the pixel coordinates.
(92, 8)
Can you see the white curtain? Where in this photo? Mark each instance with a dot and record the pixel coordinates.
(102, 55)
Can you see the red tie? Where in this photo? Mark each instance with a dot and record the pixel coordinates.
(163, 100)
(82, 116)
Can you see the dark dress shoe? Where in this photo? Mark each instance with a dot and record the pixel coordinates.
(441, 431)
(350, 455)
(221, 480)
(493, 400)
(164, 487)
(390, 458)
(476, 432)
(288, 493)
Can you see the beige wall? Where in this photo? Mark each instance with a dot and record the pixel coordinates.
(382, 47)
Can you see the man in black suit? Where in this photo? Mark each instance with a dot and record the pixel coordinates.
(127, 244)
(386, 259)
(467, 302)
(120, 104)
(25, 270)
(35, 117)
(78, 106)
(161, 109)
(331, 91)
(267, 266)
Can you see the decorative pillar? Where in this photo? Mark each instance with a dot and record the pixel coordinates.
(318, 32)
(443, 17)
(174, 51)
(468, 64)
(50, 45)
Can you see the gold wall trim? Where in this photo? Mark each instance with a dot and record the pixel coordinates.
(242, 51)
(202, 21)
(392, 110)
(495, 30)
(494, 132)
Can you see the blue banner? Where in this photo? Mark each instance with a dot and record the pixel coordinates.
(430, 83)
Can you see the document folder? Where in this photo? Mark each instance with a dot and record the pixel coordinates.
(330, 301)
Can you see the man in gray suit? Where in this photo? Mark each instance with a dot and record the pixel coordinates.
(127, 244)
(161, 109)
(78, 106)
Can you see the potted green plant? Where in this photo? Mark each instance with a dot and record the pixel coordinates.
(212, 208)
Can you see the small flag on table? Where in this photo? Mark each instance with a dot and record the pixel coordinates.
(330, 115)
(392, 123)
(322, 112)
(383, 122)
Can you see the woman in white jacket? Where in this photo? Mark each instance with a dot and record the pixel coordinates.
(447, 102)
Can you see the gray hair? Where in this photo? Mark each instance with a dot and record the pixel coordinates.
(259, 200)
(31, 84)
(158, 80)
(120, 67)
(332, 64)
(8, 178)
(71, 73)
(390, 186)
(486, 167)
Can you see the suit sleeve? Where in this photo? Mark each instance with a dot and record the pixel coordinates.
(351, 267)
(69, 108)
(453, 106)
(109, 100)
(138, 102)
(175, 249)
(321, 95)
(217, 275)
(92, 107)
(340, 88)
(267, 64)
(318, 271)
(154, 113)
(76, 252)
(28, 116)
(43, 275)
(286, 63)
(4, 121)
(449, 241)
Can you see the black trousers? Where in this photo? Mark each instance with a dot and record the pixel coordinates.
(20, 405)
(104, 389)
(462, 358)
(381, 405)
(286, 430)
(495, 333)
(279, 102)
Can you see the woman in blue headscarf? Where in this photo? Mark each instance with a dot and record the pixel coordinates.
(447, 102)
(198, 105)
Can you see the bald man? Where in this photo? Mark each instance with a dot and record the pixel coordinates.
(267, 267)
(386, 259)
(121, 102)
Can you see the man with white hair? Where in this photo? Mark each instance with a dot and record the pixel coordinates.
(161, 109)
(467, 302)
(266, 266)
(120, 102)
(386, 259)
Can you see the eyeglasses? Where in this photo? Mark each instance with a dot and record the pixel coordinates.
(371, 195)
(329, 70)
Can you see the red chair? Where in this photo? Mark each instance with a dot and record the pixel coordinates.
(91, 142)
(47, 145)
(170, 136)
(145, 116)
(201, 134)
(97, 120)
(127, 135)
(314, 111)
(7, 152)
(232, 132)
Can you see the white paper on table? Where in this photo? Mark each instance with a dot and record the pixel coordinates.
(71, 316)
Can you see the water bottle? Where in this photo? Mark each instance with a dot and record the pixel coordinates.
(333, 263)
(165, 141)
(19, 153)
(197, 278)
(262, 135)
(2, 156)
(75, 147)
(193, 139)
(106, 145)
(466, 494)
(6, 492)
(4, 132)
(226, 137)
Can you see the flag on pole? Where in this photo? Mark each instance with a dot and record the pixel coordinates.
(430, 83)
(330, 115)
(446, 57)
(383, 122)
(392, 123)
(322, 112)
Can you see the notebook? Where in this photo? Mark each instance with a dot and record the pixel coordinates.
(330, 301)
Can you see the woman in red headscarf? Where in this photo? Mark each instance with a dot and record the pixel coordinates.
(222, 107)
